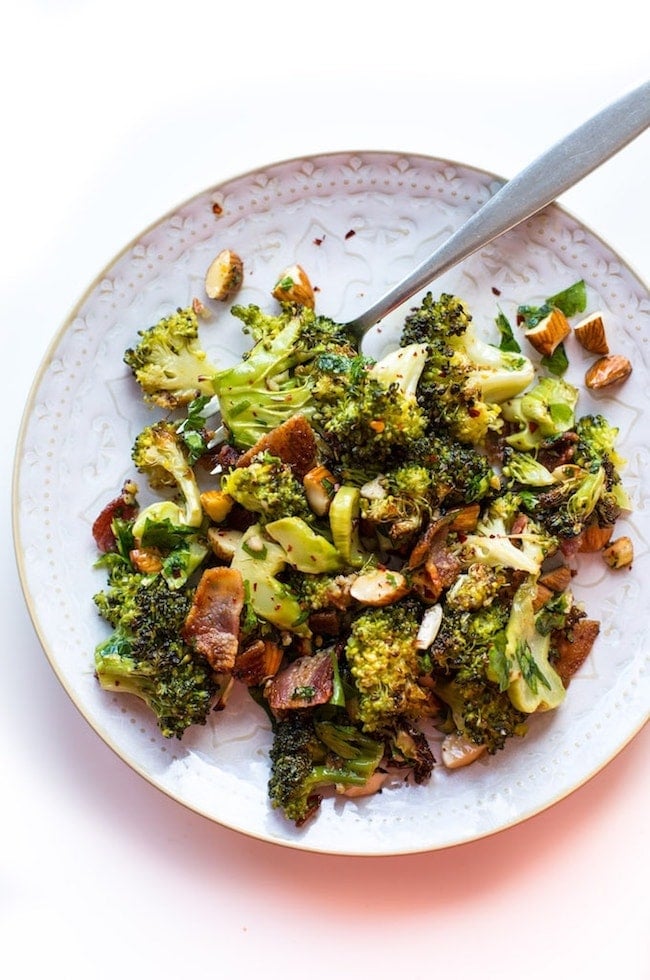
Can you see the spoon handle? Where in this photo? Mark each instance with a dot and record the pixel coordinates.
(559, 168)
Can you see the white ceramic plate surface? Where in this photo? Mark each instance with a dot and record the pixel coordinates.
(357, 222)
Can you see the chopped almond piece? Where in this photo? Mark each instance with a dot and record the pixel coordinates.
(549, 332)
(224, 275)
(258, 663)
(319, 486)
(557, 579)
(293, 286)
(590, 333)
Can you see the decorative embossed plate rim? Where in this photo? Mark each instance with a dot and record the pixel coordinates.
(357, 222)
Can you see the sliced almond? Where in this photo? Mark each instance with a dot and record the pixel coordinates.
(293, 286)
(590, 333)
(620, 553)
(541, 597)
(224, 275)
(369, 788)
(549, 332)
(609, 370)
(224, 541)
(379, 587)
(458, 751)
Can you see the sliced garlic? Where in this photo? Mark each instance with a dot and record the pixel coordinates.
(458, 751)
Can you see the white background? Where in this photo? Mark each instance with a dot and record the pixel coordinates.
(113, 113)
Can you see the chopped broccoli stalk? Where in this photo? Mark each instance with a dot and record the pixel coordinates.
(543, 412)
(386, 666)
(533, 683)
(310, 756)
(160, 454)
(169, 363)
(260, 562)
(464, 379)
(145, 655)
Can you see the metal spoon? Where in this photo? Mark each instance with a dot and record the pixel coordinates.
(566, 163)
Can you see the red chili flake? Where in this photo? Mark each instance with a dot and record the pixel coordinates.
(350, 234)
(496, 292)
(319, 241)
(216, 208)
(474, 413)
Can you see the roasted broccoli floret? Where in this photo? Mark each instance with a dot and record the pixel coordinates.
(464, 379)
(499, 543)
(462, 656)
(366, 411)
(169, 363)
(160, 454)
(272, 382)
(309, 756)
(543, 412)
(387, 667)
(267, 487)
(145, 655)
(460, 473)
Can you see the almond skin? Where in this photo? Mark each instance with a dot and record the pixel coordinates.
(549, 332)
(590, 333)
(293, 286)
(609, 370)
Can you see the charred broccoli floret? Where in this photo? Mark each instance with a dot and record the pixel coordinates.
(464, 379)
(169, 363)
(145, 655)
(462, 654)
(309, 756)
(387, 666)
(367, 411)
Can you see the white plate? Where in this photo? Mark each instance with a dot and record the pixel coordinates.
(357, 222)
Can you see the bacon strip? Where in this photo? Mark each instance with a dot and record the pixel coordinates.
(293, 442)
(304, 683)
(212, 624)
(124, 508)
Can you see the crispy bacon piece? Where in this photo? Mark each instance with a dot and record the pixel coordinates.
(293, 442)
(212, 624)
(123, 508)
(306, 682)
(258, 663)
(574, 646)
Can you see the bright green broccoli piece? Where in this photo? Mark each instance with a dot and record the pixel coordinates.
(464, 379)
(261, 561)
(525, 670)
(310, 756)
(543, 412)
(145, 655)
(169, 363)
(387, 667)
(267, 487)
(272, 382)
(161, 455)
(460, 473)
